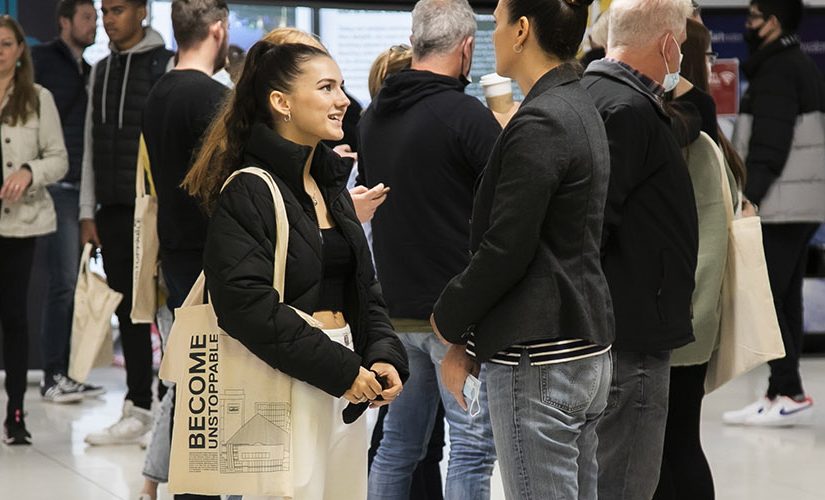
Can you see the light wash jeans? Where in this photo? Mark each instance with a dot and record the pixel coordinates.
(409, 423)
(156, 463)
(544, 423)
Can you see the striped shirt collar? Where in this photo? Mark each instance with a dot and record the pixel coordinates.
(653, 86)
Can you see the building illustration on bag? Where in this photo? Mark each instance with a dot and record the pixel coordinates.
(257, 444)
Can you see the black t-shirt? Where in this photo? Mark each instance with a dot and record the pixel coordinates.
(178, 111)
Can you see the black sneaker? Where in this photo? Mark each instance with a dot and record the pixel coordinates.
(14, 429)
(59, 389)
(88, 390)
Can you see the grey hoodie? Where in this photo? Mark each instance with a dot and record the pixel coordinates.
(151, 40)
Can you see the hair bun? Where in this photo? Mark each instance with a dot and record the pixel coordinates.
(578, 3)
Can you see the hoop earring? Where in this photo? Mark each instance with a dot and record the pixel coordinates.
(288, 117)
(517, 48)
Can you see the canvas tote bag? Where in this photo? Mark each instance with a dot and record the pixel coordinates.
(145, 244)
(94, 305)
(233, 415)
(749, 332)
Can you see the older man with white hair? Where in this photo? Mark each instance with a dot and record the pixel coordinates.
(429, 141)
(650, 237)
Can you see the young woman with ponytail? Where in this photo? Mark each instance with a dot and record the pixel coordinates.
(287, 100)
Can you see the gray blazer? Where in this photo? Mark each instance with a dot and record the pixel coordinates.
(535, 272)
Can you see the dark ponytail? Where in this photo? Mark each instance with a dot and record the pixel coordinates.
(559, 24)
(267, 67)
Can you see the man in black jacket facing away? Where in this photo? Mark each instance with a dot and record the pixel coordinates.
(59, 66)
(650, 238)
(780, 134)
(118, 88)
(428, 141)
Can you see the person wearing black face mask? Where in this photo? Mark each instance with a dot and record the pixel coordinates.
(779, 133)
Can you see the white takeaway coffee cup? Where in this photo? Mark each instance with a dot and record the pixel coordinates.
(498, 92)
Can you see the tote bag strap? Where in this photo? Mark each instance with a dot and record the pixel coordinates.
(726, 196)
(143, 171)
(281, 225)
(85, 256)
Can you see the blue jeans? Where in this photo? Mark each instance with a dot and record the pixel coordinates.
(409, 423)
(632, 431)
(63, 254)
(544, 423)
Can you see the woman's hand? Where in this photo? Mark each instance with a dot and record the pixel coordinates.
(16, 185)
(394, 386)
(749, 209)
(345, 151)
(455, 367)
(367, 201)
(504, 118)
(365, 387)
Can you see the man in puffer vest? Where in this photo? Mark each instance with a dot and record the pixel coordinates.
(118, 88)
(781, 134)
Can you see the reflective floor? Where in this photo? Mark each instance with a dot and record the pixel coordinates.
(748, 463)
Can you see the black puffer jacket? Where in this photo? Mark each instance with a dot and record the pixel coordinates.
(780, 134)
(120, 85)
(239, 259)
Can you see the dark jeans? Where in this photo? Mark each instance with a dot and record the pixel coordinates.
(786, 253)
(426, 479)
(115, 228)
(685, 473)
(16, 256)
(63, 254)
(632, 429)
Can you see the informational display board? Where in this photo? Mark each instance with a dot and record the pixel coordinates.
(356, 37)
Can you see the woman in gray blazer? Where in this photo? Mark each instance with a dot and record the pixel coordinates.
(533, 304)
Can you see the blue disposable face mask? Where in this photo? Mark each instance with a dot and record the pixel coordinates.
(472, 391)
(672, 79)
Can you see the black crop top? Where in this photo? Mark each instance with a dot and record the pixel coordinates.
(338, 266)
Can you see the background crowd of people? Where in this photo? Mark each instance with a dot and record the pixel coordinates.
(546, 280)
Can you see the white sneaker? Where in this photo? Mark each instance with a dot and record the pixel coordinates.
(784, 412)
(133, 424)
(739, 417)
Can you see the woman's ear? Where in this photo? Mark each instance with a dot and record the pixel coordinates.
(280, 105)
(523, 30)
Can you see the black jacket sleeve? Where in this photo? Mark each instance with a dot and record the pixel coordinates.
(774, 108)
(525, 185)
(382, 343)
(238, 264)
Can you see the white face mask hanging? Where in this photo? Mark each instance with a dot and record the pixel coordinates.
(472, 393)
(672, 79)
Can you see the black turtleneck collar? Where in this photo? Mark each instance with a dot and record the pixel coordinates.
(751, 66)
(286, 160)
